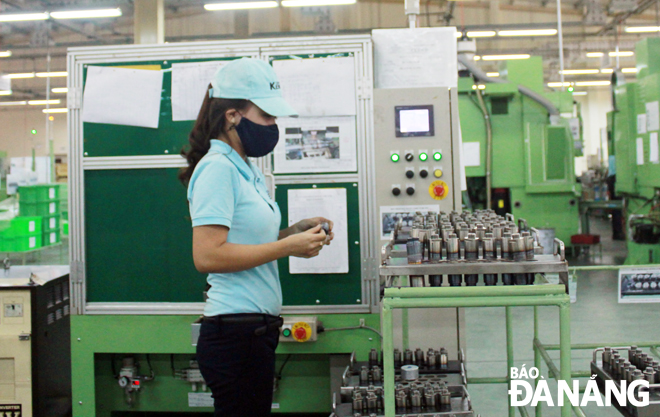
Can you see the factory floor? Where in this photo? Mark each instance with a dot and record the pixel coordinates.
(596, 317)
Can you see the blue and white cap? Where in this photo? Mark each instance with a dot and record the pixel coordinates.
(251, 79)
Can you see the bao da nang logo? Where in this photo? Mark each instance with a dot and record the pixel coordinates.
(523, 393)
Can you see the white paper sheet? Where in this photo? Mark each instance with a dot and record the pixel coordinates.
(471, 154)
(653, 147)
(641, 124)
(331, 204)
(640, 151)
(122, 96)
(190, 82)
(652, 116)
(422, 57)
(316, 144)
(318, 86)
(5, 82)
(389, 215)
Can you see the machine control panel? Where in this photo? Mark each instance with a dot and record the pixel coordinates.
(299, 329)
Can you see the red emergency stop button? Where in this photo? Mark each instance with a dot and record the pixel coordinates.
(300, 333)
(438, 190)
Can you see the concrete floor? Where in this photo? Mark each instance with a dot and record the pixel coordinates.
(596, 317)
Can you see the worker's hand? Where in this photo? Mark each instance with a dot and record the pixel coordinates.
(307, 244)
(307, 224)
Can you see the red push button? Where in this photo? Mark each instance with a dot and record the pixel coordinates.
(439, 190)
(300, 333)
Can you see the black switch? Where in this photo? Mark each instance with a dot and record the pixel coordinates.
(396, 191)
(410, 190)
(410, 173)
(409, 157)
(423, 173)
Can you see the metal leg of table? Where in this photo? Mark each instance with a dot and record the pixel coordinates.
(565, 351)
(509, 355)
(537, 358)
(388, 359)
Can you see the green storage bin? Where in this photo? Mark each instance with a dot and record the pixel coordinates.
(65, 227)
(41, 192)
(21, 243)
(26, 226)
(51, 238)
(39, 208)
(50, 223)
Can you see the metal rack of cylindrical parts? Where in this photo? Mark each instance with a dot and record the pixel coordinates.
(439, 262)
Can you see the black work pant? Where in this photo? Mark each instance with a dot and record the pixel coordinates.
(237, 361)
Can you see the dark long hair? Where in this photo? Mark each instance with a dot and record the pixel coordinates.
(209, 125)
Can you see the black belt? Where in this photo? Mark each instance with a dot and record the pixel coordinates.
(268, 321)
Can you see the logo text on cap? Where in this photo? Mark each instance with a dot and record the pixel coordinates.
(275, 85)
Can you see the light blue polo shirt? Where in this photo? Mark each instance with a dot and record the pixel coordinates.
(226, 190)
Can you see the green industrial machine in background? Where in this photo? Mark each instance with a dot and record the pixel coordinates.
(532, 155)
(633, 140)
(4, 169)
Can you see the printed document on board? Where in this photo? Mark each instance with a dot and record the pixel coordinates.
(331, 204)
(122, 96)
(190, 82)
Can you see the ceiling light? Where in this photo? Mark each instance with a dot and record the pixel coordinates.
(591, 83)
(555, 85)
(241, 5)
(492, 74)
(62, 110)
(476, 58)
(21, 75)
(579, 71)
(531, 32)
(579, 93)
(43, 102)
(606, 71)
(5, 92)
(60, 90)
(14, 17)
(459, 34)
(315, 3)
(629, 70)
(5, 54)
(13, 103)
(481, 34)
(595, 54)
(621, 53)
(52, 74)
(86, 14)
(504, 57)
(642, 29)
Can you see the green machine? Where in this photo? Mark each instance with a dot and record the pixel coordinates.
(532, 172)
(633, 140)
(4, 169)
(135, 293)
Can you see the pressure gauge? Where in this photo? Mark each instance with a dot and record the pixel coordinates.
(123, 382)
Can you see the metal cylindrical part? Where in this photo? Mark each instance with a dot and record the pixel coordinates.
(372, 401)
(649, 375)
(358, 404)
(419, 357)
(619, 365)
(429, 399)
(471, 254)
(517, 248)
(641, 359)
(416, 399)
(529, 245)
(401, 401)
(376, 374)
(625, 371)
(397, 358)
(445, 397)
(414, 251)
(373, 357)
(435, 280)
(444, 358)
(607, 355)
(431, 359)
(417, 280)
(453, 247)
(409, 372)
(407, 357)
(436, 249)
(364, 375)
(632, 354)
(614, 360)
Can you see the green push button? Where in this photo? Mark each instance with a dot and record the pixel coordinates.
(286, 332)
(437, 156)
(423, 156)
(394, 157)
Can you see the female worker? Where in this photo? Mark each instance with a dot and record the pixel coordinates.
(237, 238)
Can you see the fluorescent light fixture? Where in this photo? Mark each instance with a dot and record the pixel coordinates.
(481, 34)
(459, 34)
(579, 71)
(21, 75)
(629, 70)
(492, 74)
(621, 53)
(606, 71)
(13, 103)
(556, 85)
(595, 54)
(480, 86)
(60, 90)
(63, 110)
(52, 74)
(5, 92)
(504, 57)
(241, 5)
(22, 17)
(43, 102)
(530, 32)
(5, 54)
(314, 3)
(476, 58)
(579, 93)
(642, 29)
(86, 14)
(591, 83)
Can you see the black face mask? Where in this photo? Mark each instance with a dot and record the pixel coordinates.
(258, 140)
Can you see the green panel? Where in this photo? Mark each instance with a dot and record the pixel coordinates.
(328, 289)
(116, 140)
(624, 121)
(473, 129)
(556, 158)
(528, 72)
(139, 238)
(304, 387)
(641, 254)
(508, 145)
(647, 53)
(648, 173)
